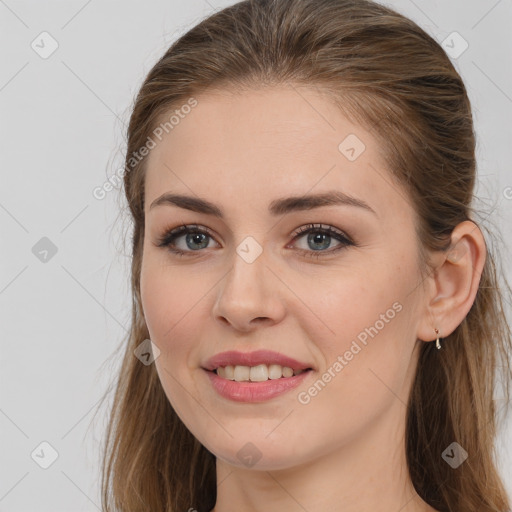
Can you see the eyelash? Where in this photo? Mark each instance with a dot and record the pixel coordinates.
(170, 236)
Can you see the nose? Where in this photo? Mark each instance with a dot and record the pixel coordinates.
(250, 295)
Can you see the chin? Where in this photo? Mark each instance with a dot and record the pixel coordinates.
(258, 453)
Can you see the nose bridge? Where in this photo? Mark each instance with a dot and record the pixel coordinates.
(249, 288)
(246, 279)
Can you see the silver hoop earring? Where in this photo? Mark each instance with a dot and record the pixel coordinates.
(438, 344)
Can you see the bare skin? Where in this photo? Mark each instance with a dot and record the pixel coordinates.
(344, 448)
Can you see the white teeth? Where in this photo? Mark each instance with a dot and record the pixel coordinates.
(259, 373)
(242, 373)
(230, 372)
(275, 371)
(287, 372)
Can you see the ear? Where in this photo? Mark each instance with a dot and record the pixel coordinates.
(453, 284)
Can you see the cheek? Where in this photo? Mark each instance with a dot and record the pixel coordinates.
(173, 299)
(162, 306)
(364, 319)
(349, 304)
(365, 357)
(167, 293)
(156, 301)
(171, 304)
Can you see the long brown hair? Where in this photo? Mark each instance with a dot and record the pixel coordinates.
(386, 73)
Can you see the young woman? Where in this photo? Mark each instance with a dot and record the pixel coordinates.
(317, 320)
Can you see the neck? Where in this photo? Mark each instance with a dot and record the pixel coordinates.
(367, 473)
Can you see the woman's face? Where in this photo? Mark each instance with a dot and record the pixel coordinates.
(346, 303)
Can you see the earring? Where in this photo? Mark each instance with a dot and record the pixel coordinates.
(438, 345)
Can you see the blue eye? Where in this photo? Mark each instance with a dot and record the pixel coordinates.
(320, 237)
(194, 236)
(197, 238)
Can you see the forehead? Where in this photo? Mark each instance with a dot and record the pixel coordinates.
(245, 148)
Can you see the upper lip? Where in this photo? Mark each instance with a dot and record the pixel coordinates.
(234, 358)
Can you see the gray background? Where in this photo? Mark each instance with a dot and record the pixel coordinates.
(62, 134)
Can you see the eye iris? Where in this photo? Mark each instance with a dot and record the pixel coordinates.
(196, 238)
(318, 238)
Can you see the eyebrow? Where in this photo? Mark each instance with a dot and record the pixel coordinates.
(276, 207)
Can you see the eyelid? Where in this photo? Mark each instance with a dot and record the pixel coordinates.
(170, 235)
(183, 229)
(321, 227)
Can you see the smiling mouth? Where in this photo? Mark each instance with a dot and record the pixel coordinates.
(259, 373)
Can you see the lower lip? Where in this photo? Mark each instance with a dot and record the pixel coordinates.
(255, 391)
